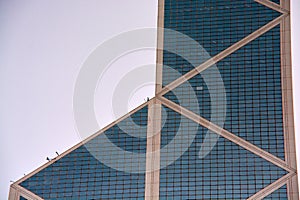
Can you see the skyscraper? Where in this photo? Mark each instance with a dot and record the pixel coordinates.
(220, 125)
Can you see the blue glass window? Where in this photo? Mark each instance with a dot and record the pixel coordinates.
(227, 172)
(214, 24)
(281, 194)
(80, 175)
(252, 81)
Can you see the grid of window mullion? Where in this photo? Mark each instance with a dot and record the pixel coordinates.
(228, 171)
(215, 24)
(79, 175)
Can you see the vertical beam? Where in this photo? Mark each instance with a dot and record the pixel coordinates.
(154, 117)
(153, 150)
(160, 44)
(287, 99)
(13, 194)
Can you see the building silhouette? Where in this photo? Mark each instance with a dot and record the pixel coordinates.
(219, 127)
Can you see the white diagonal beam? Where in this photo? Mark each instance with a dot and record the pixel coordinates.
(226, 134)
(273, 6)
(272, 187)
(222, 55)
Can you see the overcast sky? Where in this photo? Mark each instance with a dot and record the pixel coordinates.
(43, 46)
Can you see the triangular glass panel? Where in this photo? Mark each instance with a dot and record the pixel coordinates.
(99, 169)
(213, 24)
(276, 1)
(225, 171)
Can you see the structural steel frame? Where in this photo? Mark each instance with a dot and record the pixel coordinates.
(154, 113)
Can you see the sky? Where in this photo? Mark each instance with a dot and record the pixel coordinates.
(43, 47)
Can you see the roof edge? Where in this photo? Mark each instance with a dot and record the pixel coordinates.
(81, 143)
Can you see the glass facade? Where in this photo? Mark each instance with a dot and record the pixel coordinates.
(227, 172)
(276, 1)
(252, 81)
(214, 24)
(278, 194)
(79, 175)
(251, 78)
